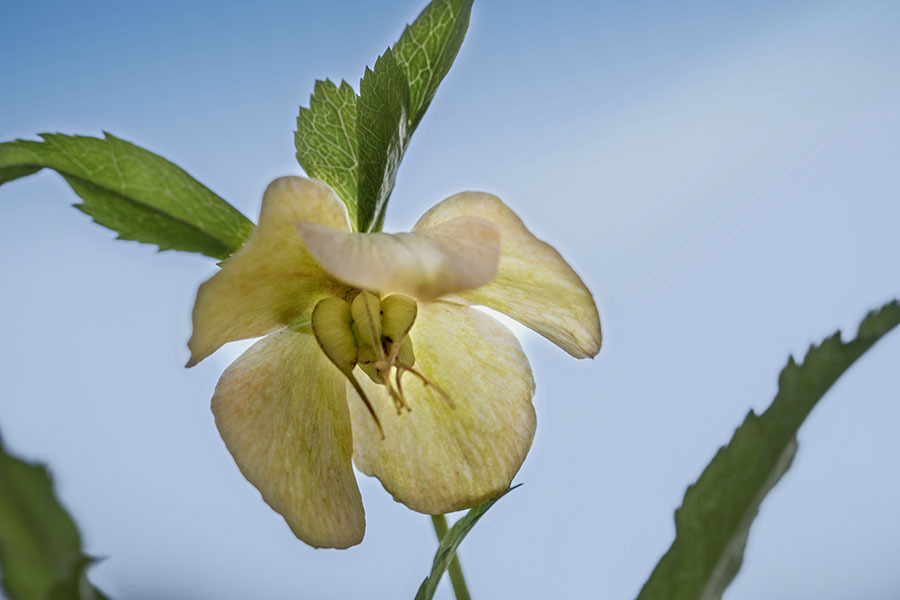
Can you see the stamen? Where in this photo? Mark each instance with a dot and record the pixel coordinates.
(397, 374)
(373, 334)
(385, 367)
(331, 327)
(366, 312)
(352, 379)
(430, 384)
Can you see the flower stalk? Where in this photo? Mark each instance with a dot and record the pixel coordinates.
(460, 590)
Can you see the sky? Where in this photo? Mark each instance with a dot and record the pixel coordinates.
(722, 175)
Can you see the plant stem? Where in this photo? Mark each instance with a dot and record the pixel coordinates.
(455, 569)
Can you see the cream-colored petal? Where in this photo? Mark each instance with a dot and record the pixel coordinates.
(534, 284)
(272, 281)
(281, 409)
(439, 458)
(459, 254)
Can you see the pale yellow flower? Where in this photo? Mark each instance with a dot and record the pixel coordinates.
(454, 413)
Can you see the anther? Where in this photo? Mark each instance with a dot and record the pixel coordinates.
(373, 334)
(366, 312)
(331, 319)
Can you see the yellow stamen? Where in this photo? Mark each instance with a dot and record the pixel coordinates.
(366, 312)
(427, 383)
(373, 334)
(331, 326)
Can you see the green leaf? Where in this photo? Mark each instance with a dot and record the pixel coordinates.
(355, 143)
(714, 520)
(40, 549)
(381, 129)
(141, 195)
(326, 140)
(450, 543)
(428, 48)
(10, 173)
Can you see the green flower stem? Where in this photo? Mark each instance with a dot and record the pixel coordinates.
(455, 570)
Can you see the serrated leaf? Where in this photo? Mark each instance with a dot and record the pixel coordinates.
(714, 520)
(450, 544)
(133, 191)
(10, 173)
(355, 143)
(427, 49)
(326, 140)
(40, 549)
(381, 130)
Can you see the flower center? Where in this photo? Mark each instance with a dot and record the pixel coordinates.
(372, 333)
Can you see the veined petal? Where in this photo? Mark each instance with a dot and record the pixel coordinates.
(281, 409)
(439, 457)
(272, 281)
(534, 284)
(459, 254)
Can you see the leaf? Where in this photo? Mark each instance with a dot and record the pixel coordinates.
(355, 144)
(427, 49)
(450, 543)
(40, 549)
(326, 140)
(10, 173)
(133, 191)
(714, 520)
(381, 130)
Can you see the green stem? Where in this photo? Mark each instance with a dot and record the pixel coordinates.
(455, 570)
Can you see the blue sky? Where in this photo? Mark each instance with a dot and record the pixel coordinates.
(722, 175)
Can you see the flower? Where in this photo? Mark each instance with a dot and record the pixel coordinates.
(439, 409)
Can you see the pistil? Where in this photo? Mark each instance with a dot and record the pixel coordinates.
(372, 333)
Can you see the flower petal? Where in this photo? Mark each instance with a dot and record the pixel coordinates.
(281, 409)
(534, 284)
(460, 254)
(272, 281)
(438, 458)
